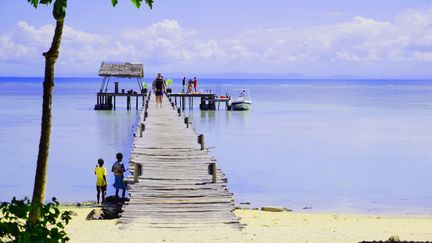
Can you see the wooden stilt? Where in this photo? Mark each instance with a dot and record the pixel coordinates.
(213, 172)
(142, 128)
(201, 141)
(186, 121)
(183, 103)
(114, 102)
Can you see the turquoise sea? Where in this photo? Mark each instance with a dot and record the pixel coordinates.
(332, 145)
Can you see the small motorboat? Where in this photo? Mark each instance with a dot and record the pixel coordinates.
(243, 101)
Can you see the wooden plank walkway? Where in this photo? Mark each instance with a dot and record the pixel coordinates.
(174, 189)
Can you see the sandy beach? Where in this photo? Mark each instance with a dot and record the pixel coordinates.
(263, 227)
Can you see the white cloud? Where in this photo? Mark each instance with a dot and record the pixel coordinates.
(406, 38)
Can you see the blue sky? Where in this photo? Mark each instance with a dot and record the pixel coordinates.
(377, 39)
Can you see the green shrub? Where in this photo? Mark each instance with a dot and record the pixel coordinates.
(15, 225)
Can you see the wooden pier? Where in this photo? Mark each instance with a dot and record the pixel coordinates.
(175, 182)
(108, 101)
(208, 101)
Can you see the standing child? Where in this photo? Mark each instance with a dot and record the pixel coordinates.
(118, 169)
(101, 182)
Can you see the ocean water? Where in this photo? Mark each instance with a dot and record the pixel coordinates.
(330, 145)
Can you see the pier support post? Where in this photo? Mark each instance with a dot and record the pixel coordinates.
(128, 103)
(114, 102)
(142, 128)
(212, 171)
(137, 172)
(145, 115)
(183, 102)
(136, 103)
(201, 141)
(116, 87)
(186, 121)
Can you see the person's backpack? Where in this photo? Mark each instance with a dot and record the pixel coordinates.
(159, 84)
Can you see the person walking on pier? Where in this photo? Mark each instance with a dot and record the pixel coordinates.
(184, 83)
(101, 183)
(159, 89)
(119, 169)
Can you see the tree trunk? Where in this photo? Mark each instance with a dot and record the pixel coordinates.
(48, 85)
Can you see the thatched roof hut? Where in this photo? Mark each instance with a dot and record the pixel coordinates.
(125, 70)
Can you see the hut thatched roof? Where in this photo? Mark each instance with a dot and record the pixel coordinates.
(127, 70)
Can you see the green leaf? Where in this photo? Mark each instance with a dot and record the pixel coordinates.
(46, 2)
(114, 2)
(150, 3)
(137, 3)
(33, 2)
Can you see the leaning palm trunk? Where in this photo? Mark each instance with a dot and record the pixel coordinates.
(48, 85)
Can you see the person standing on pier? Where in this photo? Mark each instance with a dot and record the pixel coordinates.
(184, 84)
(159, 89)
(119, 169)
(195, 83)
(101, 182)
(189, 89)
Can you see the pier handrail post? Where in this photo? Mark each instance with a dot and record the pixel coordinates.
(142, 128)
(136, 172)
(212, 171)
(186, 121)
(201, 141)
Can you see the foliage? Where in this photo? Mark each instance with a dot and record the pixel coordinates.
(15, 225)
(59, 10)
(137, 3)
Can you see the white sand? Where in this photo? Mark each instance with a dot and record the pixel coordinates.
(263, 227)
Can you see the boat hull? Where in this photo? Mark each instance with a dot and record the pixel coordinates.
(241, 106)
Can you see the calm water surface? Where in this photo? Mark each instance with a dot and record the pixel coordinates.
(344, 146)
